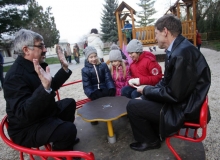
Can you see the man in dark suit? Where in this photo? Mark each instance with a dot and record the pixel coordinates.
(35, 118)
(162, 109)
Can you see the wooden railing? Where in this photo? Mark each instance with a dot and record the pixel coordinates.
(188, 29)
(147, 34)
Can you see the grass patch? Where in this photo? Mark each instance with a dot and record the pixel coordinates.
(52, 60)
(6, 68)
(215, 45)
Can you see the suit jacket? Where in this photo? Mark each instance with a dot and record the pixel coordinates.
(184, 87)
(28, 105)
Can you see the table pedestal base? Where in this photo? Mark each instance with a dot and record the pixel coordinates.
(112, 139)
(111, 136)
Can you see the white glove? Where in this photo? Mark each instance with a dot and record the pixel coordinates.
(130, 82)
(136, 81)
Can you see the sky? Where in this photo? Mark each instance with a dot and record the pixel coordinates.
(75, 18)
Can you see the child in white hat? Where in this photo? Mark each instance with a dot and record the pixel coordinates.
(119, 70)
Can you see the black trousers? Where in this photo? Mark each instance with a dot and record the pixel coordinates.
(63, 137)
(77, 59)
(144, 116)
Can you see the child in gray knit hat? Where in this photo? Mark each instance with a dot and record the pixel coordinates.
(90, 50)
(115, 47)
(96, 76)
(144, 69)
(119, 69)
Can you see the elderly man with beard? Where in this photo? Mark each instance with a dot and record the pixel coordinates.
(35, 118)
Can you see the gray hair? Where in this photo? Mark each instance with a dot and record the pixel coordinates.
(23, 38)
(171, 22)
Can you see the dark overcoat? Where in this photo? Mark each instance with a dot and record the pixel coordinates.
(28, 105)
(184, 87)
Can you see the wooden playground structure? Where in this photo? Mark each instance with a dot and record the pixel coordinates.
(184, 9)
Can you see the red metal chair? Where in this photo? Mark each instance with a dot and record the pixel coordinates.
(192, 127)
(43, 154)
(79, 103)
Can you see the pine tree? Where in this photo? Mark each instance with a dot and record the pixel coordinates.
(109, 25)
(43, 23)
(146, 13)
(13, 15)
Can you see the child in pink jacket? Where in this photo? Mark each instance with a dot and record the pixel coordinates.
(119, 69)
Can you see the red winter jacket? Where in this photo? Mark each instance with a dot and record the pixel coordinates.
(146, 69)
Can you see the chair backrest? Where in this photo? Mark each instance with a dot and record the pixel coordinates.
(43, 154)
(204, 114)
(201, 125)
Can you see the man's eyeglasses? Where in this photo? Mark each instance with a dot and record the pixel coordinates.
(42, 47)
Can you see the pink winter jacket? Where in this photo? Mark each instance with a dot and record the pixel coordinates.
(121, 81)
(147, 69)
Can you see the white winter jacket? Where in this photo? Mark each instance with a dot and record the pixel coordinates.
(95, 41)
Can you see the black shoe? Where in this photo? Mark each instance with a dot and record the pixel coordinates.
(94, 123)
(142, 146)
(76, 141)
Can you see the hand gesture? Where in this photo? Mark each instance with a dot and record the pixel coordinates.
(62, 60)
(45, 77)
(140, 90)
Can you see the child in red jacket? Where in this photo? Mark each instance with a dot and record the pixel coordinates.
(144, 69)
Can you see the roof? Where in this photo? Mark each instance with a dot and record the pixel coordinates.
(124, 5)
(124, 17)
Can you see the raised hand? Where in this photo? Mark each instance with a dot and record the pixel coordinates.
(45, 77)
(62, 60)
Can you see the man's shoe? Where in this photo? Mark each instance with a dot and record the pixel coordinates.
(76, 141)
(142, 146)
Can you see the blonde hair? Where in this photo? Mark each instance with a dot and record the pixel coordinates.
(122, 63)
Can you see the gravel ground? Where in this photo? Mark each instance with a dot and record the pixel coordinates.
(212, 141)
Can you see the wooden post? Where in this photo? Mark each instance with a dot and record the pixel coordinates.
(123, 35)
(178, 10)
(133, 26)
(187, 13)
(194, 22)
(119, 29)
